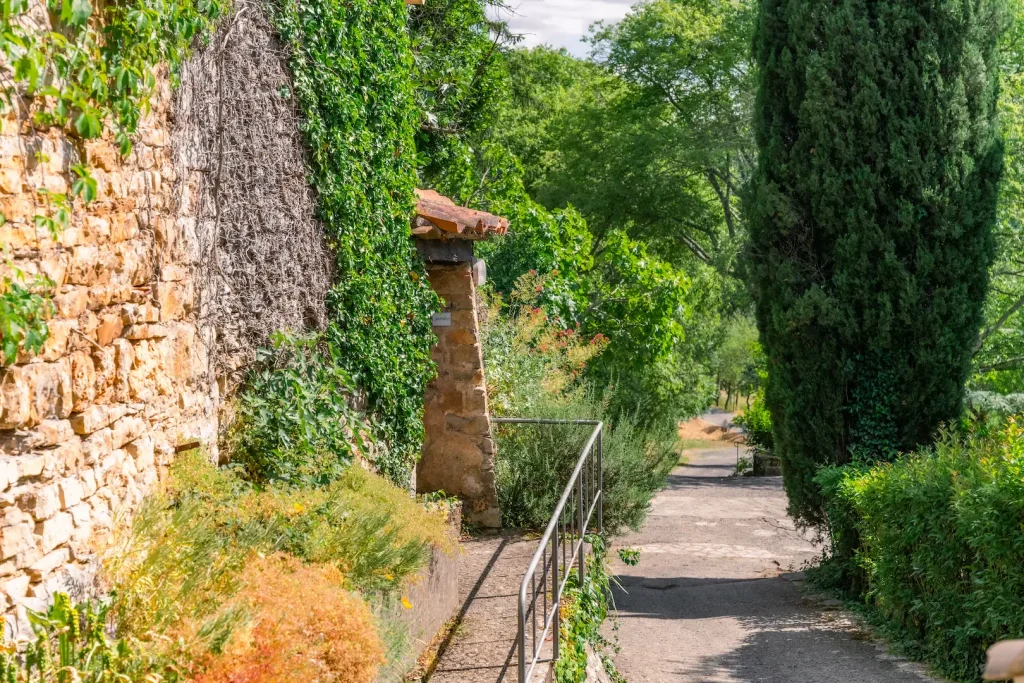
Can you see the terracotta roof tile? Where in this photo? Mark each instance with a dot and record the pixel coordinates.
(439, 218)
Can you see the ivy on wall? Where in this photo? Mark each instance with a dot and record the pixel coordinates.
(352, 74)
(83, 71)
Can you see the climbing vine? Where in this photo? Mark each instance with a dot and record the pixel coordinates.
(352, 74)
(84, 71)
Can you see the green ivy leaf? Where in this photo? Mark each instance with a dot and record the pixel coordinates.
(88, 125)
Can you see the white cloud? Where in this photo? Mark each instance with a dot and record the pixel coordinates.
(561, 23)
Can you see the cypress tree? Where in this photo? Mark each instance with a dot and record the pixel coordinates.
(871, 213)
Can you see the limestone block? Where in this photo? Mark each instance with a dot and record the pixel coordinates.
(55, 531)
(88, 478)
(81, 514)
(17, 209)
(100, 296)
(47, 563)
(96, 417)
(99, 445)
(9, 472)
(97, 229)
(71, 492)
(16, 539)
(141, 451)
(15, 403)
(123, 362)
(26, 558)
(12, 516)
(127, 429)
(133, 314)
(104, 362)
(110, 326)
(16, 588)
(42, 503)
(31, 465)
(11, 181)
(83, 380)
(129, 469)
(68, 456)
(82, 542)
(84, 266)
(146, 331)
(46, 434)
(110, 464)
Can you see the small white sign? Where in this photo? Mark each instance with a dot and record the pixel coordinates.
(441, 320)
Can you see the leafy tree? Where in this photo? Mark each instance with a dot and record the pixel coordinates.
(871, 213)
(999, 359)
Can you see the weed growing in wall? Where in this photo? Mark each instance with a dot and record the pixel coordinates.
(352, 73)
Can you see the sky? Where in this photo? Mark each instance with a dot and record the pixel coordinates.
(561, 23)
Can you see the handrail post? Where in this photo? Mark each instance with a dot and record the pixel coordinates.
(600, 478)
(581, 516)
(556, 596)
(522, 633)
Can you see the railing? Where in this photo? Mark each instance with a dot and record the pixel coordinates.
(561, 546)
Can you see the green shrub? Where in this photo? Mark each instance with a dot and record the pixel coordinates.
(534, 463)
(584, 609)
(756, 422)
(536, 369)
(940, 544)
(376, 534)
(293, 421)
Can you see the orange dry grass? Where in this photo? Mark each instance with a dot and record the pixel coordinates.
(305, 628)
(700, 430)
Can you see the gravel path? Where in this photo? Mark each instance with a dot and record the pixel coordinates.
(715, 598)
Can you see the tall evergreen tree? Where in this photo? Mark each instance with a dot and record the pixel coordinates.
(871, 214)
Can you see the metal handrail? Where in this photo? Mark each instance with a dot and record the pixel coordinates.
(582, 497)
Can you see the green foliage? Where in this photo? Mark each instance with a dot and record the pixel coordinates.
(460, 75)
(24, 308)
(353, 73)
(871, 215)
(376, 534)
(535, 368)
(938, 544)
(756, 422)
(84, 74)
(294, 423)
(72, 645)
(583, 610)
(999, 358)
(89, 72)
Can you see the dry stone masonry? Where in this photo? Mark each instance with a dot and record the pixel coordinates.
(458, 451)
(87, 424)
(200, 243)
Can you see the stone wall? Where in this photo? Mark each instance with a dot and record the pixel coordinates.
(199, 245)
(458, 452)
(87, 424)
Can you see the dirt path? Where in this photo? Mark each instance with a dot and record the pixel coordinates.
(711, 601)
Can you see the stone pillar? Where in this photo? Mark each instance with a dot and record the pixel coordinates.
(458, 451)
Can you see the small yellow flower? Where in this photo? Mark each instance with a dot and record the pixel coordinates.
(405, 603)
(299, 508)
(389, 576)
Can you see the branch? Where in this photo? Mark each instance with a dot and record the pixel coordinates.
(1007, 364)
(1017, 305)
(723, 197)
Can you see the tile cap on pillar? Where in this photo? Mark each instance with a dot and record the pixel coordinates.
(439, 218)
